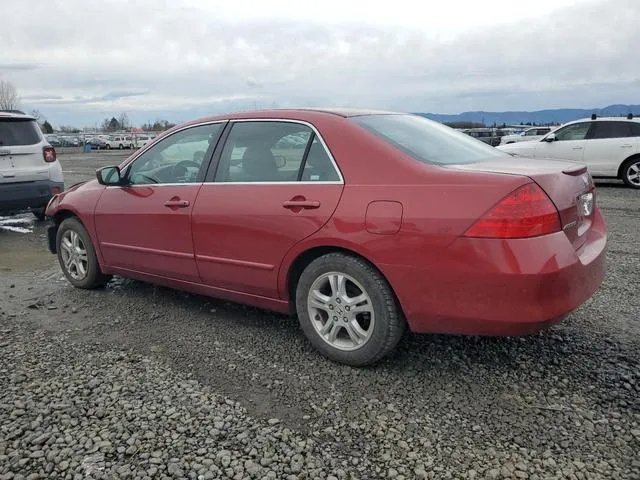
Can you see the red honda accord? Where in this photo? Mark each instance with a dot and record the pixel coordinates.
(363, 223)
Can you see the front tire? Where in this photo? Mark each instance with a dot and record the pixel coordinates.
(347, 310)
(631, 172)
(77, 256)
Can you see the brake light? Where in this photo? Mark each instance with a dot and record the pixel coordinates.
(49, 154)
(526, 212)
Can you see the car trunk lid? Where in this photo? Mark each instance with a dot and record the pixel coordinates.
(568, 185)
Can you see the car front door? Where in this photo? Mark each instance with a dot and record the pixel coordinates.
(274, 185)
(610, 143)
(144, 225)
(569, 143)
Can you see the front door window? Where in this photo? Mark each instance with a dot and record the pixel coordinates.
(179, 158)
(576, 131)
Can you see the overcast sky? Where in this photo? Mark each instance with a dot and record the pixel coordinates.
(78, 61)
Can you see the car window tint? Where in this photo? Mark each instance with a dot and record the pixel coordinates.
(611, 130)
(267, 151)
(179, 158)
(18, 132)
(635, 129)
(576, 131)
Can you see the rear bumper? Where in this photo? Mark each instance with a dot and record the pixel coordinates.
(503, 287)
(16, 197)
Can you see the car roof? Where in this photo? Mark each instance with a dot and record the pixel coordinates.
(15, 114)
(299, 113)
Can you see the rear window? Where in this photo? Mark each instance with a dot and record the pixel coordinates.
(18, 132)
(426, 140)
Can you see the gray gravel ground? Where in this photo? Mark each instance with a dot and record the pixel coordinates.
(136, 381)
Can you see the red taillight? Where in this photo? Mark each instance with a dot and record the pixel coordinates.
(525, 212)
(49, 154)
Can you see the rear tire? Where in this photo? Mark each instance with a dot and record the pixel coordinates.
(347, 310)
(107, 146)
(630, 172)
(77, 256)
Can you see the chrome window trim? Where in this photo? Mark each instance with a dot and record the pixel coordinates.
(188, 184)
(239, 120)
(289, 120)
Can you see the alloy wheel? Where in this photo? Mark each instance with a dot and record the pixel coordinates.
(341, 311)
(633, 173)
(74, 255)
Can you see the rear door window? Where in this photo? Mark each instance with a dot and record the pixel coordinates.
(18, 132)
(274, 151)
(603, 130)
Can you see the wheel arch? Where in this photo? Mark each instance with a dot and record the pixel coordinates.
(304, 258)
(632, 157)
(64, 213)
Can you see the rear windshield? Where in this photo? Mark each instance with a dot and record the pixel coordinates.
(18, 132)
(426, 140)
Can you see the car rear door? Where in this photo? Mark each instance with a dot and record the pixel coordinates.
(609, 143)
(21, 151)
(275, 184)
(145, 224)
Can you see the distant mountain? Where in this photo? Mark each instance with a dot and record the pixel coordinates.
(559, 115)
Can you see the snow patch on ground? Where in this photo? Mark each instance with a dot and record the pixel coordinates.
(18, 223)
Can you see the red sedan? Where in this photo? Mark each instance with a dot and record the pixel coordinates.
(363, 223)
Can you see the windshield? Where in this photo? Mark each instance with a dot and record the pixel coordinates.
(426, 140)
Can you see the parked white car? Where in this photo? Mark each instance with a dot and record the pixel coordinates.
(530, 134)
(610, 147)
(141, 140)
(119, 141)
(30, 173)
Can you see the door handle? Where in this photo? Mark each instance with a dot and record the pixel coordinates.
(577, 148)
(626, 145)
(176, 203)
(297, 204)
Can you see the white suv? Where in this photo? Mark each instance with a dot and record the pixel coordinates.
(119, 141)
(30, 173)
(609, 146)
(530, 134)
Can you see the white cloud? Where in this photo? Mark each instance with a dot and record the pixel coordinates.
(80, 59)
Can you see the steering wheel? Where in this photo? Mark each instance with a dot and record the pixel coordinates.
(184, 164)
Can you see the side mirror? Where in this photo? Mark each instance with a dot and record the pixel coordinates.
(550, 138)
(109, 176)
